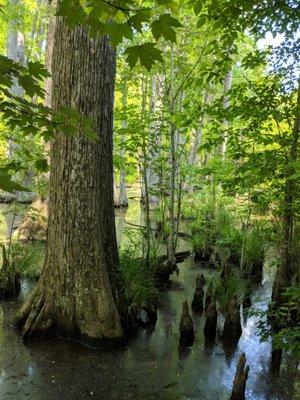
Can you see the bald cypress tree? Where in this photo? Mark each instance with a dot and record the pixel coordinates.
(77, 293)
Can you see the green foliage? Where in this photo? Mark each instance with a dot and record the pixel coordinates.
(137, 279)
(214, 227)
(23, 117)
(227, 288)
(24, 260)
(163, 27)
(27, 260)
(256, 238)
(6, 178)
(286, 317)
(123, 20)
(19, 261)
(146, 53)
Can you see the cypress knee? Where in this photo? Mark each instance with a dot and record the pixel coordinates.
(276, 358)
(9, 279)
(240, 379)
(197, 303)
(208, 295)
(187, 335)
(151, 309)
(247, 301)
(256, 273)
(210, 326)
(232, 326)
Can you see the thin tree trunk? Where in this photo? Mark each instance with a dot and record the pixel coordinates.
(16, 52)
(77, 292)
(227, 87)
(155, 140)
(144, 170)
(198, 135)
(196, 142)
(16, 48)
(285, 271)
(171, 206)
(37, 32)
(123, 201)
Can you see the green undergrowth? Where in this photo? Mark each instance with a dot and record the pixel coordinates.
(138, 283)
(222, 231)
(137, 277)
(27, 260)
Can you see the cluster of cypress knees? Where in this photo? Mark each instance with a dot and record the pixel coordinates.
(231, 332)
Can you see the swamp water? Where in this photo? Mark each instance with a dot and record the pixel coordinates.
(152, 365)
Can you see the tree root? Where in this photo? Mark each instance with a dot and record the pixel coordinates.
(34, 319)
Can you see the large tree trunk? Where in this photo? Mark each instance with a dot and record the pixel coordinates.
(77, 291)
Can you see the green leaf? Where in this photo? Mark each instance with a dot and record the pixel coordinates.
(137, 21)
(146, 53)
(42, 165)
(198, 7)
(201, 21)
(8, 185)
(163, 27)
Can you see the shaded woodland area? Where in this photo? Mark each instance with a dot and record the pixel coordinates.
(149, 199)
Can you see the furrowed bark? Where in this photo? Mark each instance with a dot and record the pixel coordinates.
(77, 292)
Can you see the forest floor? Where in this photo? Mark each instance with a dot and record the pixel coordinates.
(152, 365)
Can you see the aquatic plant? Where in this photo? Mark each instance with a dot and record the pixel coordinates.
(215, 231)
(19, 261)
(28, 259)
(137, 279)
(256, 238)
(226, 288)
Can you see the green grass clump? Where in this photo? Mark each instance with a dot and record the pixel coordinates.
(255, 244)
(27, 259)
(138, 283)
(137, 277)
